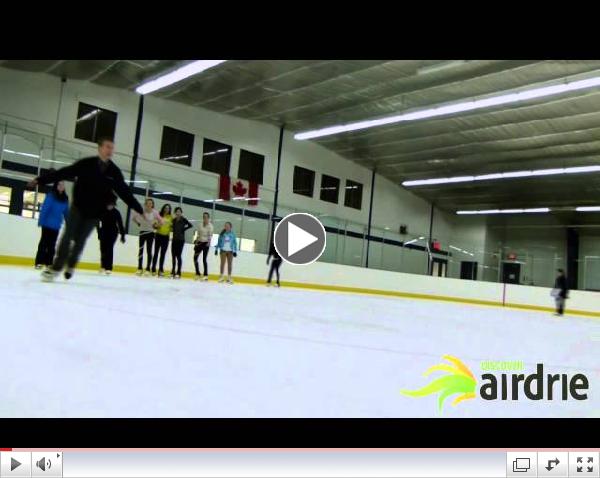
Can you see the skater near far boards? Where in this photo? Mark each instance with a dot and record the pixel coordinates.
(95, 179)
(227, 245)
(275, 264)
(109, 228)
(180, 225)
(148, 222)
(560, 292)
(202, 244)
(54, 209)
(161, 240)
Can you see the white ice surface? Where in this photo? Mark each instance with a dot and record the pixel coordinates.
(124, 346)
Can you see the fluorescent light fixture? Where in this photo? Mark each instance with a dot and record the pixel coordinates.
(163, 193)
(440, 66)
(505, 211)
(214, 200)
(508, 175)
(461, 250)
(587, 208)
(409, 242)
(243, 198)
(444, 110)
(179, 74)
(54, 161)
(88, 116)
(170, 158)
(136, 181)
(29, 155)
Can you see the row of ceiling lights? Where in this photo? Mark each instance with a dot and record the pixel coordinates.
(565, 86)
(530, 210)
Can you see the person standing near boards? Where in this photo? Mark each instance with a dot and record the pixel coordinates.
(227, 245)
(275, 264)
(161, 240)
(560, 292)
(204, 235)
(180, 225)
(109, 228)
(95, 179)
(148, 222)
(54, 210)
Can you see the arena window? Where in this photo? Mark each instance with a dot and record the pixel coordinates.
(94, 122)
(177, 146)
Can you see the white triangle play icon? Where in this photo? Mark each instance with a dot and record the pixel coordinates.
(298, 239)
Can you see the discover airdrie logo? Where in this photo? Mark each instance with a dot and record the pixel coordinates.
(500, 380)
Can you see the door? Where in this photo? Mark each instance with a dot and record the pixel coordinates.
(468, 270)
(511, 272)
(439, 267)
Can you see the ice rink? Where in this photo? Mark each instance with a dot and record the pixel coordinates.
(124, 346)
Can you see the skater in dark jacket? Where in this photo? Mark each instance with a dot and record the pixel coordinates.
(109, 228)
(95, 178)
(560, 292)
(179, 226)
(54, 210)
(275, 264)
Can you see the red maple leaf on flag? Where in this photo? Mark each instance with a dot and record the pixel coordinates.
(239, 189)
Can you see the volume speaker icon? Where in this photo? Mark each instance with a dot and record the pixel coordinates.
(43, 464)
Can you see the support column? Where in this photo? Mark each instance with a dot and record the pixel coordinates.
(429, 239)
(276, 196)
(279, 153)
(370, 216)
(63, 80)
(572, 257)
(134, 156)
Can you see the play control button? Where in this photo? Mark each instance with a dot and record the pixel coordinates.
(14, 464)
(300, 238)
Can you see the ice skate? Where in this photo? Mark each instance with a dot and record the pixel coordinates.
(197, 277)
(68, 273)
(102, 270)
(139, 272)
(49, 275)
(205, 278)
(221, 279)
(229, 280)
(147, 273)
(107, 272)
(38, 266)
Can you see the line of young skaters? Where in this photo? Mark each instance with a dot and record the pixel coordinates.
(156, 227)
(155, 231)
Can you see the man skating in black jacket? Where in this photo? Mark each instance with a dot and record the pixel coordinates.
(95, 179)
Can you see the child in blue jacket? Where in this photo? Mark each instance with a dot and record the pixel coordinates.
(228, 247)
(54, 210)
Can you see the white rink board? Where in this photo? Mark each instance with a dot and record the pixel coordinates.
(20, 237)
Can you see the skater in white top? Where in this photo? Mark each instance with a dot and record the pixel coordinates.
(227, 245)
(202, 244)
(148, 223)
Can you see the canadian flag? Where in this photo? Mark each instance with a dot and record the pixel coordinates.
(238, 189)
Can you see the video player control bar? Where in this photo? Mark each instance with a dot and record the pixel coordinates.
(297, 463)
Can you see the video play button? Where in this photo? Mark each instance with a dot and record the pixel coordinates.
(300, 238)
(14, 464)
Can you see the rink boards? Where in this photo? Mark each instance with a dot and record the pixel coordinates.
(20, 237)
